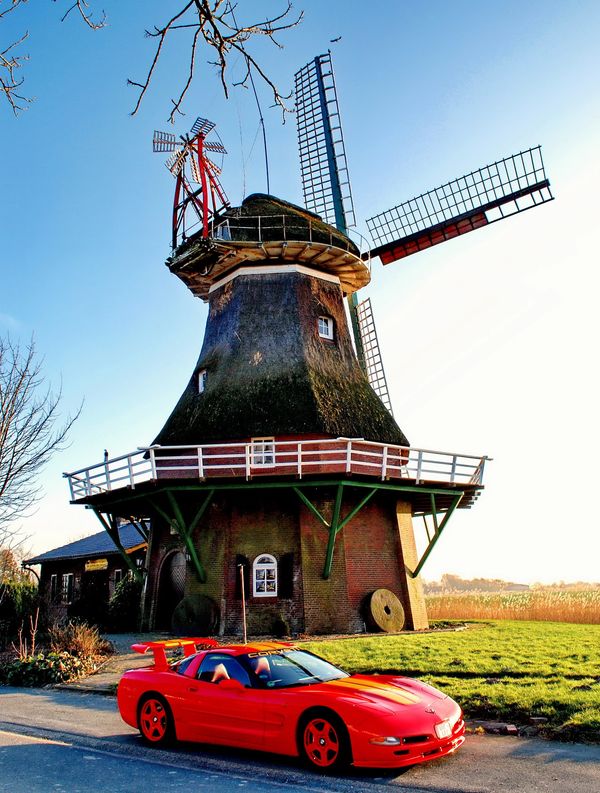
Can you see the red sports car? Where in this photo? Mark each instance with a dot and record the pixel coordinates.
(280, 698)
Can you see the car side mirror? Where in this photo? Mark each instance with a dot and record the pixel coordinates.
(231, 685)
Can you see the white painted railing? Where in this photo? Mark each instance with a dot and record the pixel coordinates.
(324, 456)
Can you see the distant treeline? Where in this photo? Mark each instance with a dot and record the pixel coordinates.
(454, 583)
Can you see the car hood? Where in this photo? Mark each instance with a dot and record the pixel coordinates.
(385, 691)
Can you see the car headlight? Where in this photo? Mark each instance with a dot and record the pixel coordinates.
(443, 730)
(386, 740)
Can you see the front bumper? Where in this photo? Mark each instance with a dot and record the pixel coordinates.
(373, 756)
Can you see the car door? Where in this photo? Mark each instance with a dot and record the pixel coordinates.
(218, 711)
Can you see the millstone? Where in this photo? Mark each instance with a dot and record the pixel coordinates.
(386, 611)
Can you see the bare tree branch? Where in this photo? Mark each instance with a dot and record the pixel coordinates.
(211, 22)
(30, 432)
(82, 6)
(215, 23)
(10, 62)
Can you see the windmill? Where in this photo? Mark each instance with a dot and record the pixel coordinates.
(189, 164)
(281, 458)
(507, 187)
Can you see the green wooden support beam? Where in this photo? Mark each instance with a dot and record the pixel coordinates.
(112, 530)
(356, 509)
(295, 485)
(437, 534)
(333, 530)
(311, 506)
(335, 525)
(177, 520)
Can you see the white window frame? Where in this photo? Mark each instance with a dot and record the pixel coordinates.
(259, 584)
(263, 452)
(53, 587)
(325, 327)
(119, 570)
(64, 592)
(202, 378)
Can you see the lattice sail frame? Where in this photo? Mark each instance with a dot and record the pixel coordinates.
(323, 164)
(494, 192)
(327, 191)
(188, 163)
(372, 353)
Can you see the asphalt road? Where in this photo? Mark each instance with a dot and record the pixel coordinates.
(60, 740)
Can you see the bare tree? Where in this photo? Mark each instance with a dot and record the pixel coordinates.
(30, 431)
(212, 23)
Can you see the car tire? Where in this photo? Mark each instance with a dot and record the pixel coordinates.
(155, 720)
(323, 741)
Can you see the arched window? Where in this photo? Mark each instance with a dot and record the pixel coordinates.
(264, 576)
(202, 378)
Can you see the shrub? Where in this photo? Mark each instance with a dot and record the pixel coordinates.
(79, 640)
(17, 601)
(124, 605)
(42, 669)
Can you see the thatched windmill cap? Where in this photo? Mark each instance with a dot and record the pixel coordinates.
(262, 231)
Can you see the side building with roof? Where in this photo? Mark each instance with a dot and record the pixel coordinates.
(87, 570)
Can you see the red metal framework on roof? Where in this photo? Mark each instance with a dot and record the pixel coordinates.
(189, 164)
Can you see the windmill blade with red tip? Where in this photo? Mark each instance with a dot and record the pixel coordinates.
(494, 192)
(165, 141)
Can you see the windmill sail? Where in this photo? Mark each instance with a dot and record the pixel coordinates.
(323, 165)
(504, 188)
(371, 352)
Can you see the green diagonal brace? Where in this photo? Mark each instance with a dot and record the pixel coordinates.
(185, 532)
(336, 524)
(311, 506)
(438, 533)
(333, 530)
(113, 533)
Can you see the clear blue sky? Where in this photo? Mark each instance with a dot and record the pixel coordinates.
(489, 342)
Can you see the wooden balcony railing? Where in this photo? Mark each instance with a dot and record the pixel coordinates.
(248, 460)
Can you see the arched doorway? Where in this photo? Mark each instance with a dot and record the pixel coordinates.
(171, 588)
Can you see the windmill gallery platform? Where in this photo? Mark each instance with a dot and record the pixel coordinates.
(279, 468)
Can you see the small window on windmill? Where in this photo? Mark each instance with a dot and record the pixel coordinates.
(202, 377)
(325, 325)
(263, 451)
(264, 576)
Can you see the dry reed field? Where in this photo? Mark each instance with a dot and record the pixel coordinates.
(552, 605)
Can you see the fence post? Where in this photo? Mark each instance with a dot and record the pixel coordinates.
(299, 461)
(200, 463)
(384, 463)
(419, 465)
(152, 463)
(453, 470)
(248, 461)
(349, 457)
(130, 469)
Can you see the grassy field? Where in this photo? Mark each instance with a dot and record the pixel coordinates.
(554, 605)
(496, 670)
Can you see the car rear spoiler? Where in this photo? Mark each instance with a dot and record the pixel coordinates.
(159, 649)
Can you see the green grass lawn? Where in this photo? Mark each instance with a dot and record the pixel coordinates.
(495, 670)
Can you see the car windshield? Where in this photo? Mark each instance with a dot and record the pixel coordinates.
(286, 668)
